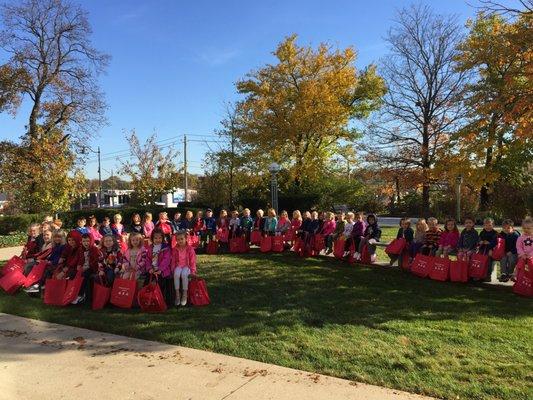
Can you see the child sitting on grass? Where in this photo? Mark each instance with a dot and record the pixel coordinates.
(134, 257)
(92, 226)
(88, 265)
(70, 257)
(105, 227)
(371, 236)
(448, 239)
(404, 232)
(183, 266)
(110, 259)
(432, 237)
(34, 243)
(81, 228)
(468, 240)
(508, 261)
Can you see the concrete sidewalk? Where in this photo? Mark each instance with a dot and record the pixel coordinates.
(50, 361)
(7, 252)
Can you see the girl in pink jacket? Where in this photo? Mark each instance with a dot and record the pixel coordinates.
(158, 263)
(524, 243)
(448, 239)
(134, 257)
(183, 265)
(327, 230)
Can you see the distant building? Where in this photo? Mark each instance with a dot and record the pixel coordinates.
(120, 198)
(171, 199)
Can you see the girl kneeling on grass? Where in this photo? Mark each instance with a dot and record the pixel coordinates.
(183, 266)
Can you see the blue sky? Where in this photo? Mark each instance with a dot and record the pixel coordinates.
(174, 63)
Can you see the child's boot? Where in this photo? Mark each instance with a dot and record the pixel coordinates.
(184, 298)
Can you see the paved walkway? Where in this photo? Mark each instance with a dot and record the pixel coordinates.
(62, 362)
(7, 252)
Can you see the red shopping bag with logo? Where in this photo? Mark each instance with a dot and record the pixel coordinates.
(479, 264)
(440, 269)
(193, 240)
(123, 292)
(255, 237)
(72, 289)
(35, 274)
(101, 295)
(54, 291)
(365, 255)
(14, 263)
(298, 247)
(421, 265)
(197, 293)
(338, 247)
(236, 245)
(524, 278)
(319, 243)
(459, 271)
(151, 298)
(212, 247)
(223, 235)
(289, 236)
(499, 250)
(12, 281)
(396, 247)
(277, 244)
(266, 244)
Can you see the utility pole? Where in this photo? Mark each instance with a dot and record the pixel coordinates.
(232, 166)
(99, 180)
(112, 190)
(186, 183)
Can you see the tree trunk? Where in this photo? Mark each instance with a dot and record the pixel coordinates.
(425, 170)
(34, 115)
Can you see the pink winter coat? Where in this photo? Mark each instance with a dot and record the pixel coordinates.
(449, 238)
(140, 258)
(328, 228)
(524, 245)
(95, 233)
(185, 257)
(163, 261)
(148, 228)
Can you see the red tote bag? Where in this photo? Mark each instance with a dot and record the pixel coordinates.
(54, 291)
(15, 263)
(12, 281)
(266, 244)
(35, 274)
(123, 292)
(255, 237)
(405, 261)
(421, 265)
(277, 244)
(440, 269)
(197, 293)
(320, 243)
(338, 247)
(524, 278)
(499, 250)
(479, 264)
(459, 271)
(289, 236)
(212, 247)
(396, 247)
(101, 295)
(365, 255)
(72, 289)
(236, 245)
(223, 235)
(150, 298)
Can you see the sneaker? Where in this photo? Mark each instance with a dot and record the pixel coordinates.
(183, 301)
(32, 289)
(505, 278)
(329, 251)
(373, 258)
(79, 299)
(357, 256)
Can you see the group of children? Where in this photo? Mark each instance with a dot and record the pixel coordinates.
(143, 249)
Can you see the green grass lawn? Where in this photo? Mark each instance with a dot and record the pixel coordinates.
(370, 324)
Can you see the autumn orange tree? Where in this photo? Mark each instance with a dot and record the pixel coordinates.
(496, 143)
(297, 111)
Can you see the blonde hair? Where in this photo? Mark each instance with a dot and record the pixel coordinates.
(350, 215)
(284, 214)
(260, 212)
(147, 216)
(271, 212)
(117, 216)
(188, 213)
(330, 215)
(433, 220)
(246, 210)
(296, 214)
(133, 235)
(33, 226)
(527, 224)
(60, 233)
(421, 225)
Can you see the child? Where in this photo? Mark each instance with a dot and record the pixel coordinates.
(304, 227)
(259, 222)
(136, 224)
(199, 225)
(105, 228)
(327, 230)
(67, 266)
(148, 225)
(58, 244)
(165, 226)
(176, 221)
(187, 223)
(117, 228)
(431, 240)
(183, 266)
(448, 239)
(57, 224)
(246, 223)
(45, 252)
(134, 257)
(508, 261)
(223, 229)
(234, 224)
(371, 236)
(358, 232)
(468, 240)
(284, 224)
(34, 243)
(271, 222)
(404, 232)
(420, 237)
(81, 228)
(210, 225)
(92, 226)
(524, 244)
(87, 266)
(158, 263)
(339, 226)
(110, 259)
(296, 222)
(488, 239)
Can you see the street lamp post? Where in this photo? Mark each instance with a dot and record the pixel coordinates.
(458, 183)
(274, 168)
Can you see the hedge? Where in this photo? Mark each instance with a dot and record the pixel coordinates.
(17, 223)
